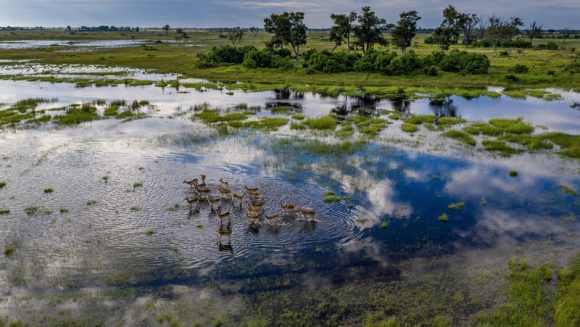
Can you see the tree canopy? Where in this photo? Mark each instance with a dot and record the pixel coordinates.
(342, 28)
(405, 30)
(288, 29)
(369, 29)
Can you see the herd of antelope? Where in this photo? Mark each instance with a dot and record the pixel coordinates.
(249, 201)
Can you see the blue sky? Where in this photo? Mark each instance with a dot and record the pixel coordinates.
(216, 13)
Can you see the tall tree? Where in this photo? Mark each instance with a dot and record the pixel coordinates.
(166, 29)
(236, 35)
(467, 24)
(499, 31)
(534, 31)
(288, 28)
(369, 30)
(405, 30)
(342, 29)
(443, 37)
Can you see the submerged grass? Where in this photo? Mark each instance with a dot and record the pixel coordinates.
(456, 206)
(409, 128)
(529, 300)
(75, 116)
(321, 123)
(499, 147)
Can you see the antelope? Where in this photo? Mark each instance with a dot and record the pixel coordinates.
(225, 231)
(222, 215)
(307, 213)
(214, 200)
(192, 183)
(224, 183)
(237, 197)
(272, 217)
(192, 201)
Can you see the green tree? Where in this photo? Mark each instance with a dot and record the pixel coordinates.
(166, 29)
(235, 35)
(442, 36)
(342, 29)
(288, 29)
(369, 30)
(405, 30)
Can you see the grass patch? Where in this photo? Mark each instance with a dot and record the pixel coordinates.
(75, 116)
(460, 136)
(513, 173)
(298, 116)
(456, 206)
(532, 142)
(362, 220)
(478, 128)
(567, 307)
(48, 190)
(449, 121)
(529, 301)
(150, 232)
(4, 211)
(368, 126)
(420, 119)
(512, 126)
(63, 210)
(31, 210)
(321, 123)
(568, 189)
(331, 198)
(443, 218)
(499, 147)
(569, 144)
(409, 128)
(91, 202)
(9, 249)
(2, 184)
(137, 185)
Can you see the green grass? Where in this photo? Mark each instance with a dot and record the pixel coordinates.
(532, 142)
(450, 121)
(512, 126)
(420, 119)
(137, 184)
(214, 116)
(331, 198)
(384, 225)
(443, 218)
(2, 184)
(31, 210)
(150, 232)
(362, 220)
(368, 126)
(513, 173)
(499, 147)
(298, 116)
(48, 190)
(321, 123)
(529, 298)
(409, 128)
(456, 206)
(477, 128)
(75, 116)
(568, 189)
(569, 144)
(9, 249)
(4, 211)
(460, 136)
(91, 202)
(567, 307)
(63, 210)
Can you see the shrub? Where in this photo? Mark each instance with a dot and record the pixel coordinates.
(405, 65)
(225, 54)
(463, 61)
(520, 69)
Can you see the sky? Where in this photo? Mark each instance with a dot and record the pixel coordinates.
(247, 13)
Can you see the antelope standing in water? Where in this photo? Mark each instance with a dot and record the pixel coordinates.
(215, 201)
(307, 213)
(289, 208)
(193, 201)
(225, 230)
(222, 215)
(237, 197)
(192, 183)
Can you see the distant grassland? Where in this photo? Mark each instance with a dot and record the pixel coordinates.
(547, 68)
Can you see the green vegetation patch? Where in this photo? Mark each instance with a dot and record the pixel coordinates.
(460, 136)
(4, 211)
(266, 123)
(321, 123)
(409, 128)
(477, 128)
(2, 184)
(443, 218)
(75, 116)
(529, 300)
(568, 189)
(499, 147)
(512, 126)
(456, 206)
(567, 307)
(420, 119)
(368, 126)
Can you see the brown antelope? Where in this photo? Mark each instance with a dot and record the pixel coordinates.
(307, 213)
(193, 201)
(272, 217)
(222, 215)
(192, 183)
(215, 201)
(225, 231)
(238, 197)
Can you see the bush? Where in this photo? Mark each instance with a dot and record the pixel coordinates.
(405, 65)
(226, 54)
(519, 43)
(520, 69)
(463, 61)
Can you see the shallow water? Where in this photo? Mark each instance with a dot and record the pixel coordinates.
(31, 44)
(392, 195)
